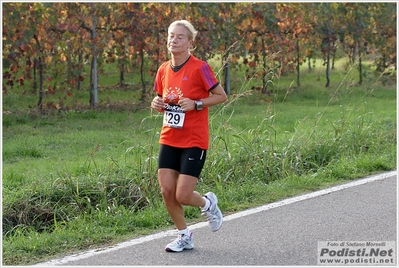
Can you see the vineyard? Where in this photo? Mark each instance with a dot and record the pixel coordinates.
(312, 103)
(64, 47)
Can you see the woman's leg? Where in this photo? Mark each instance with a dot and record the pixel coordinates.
(178, 190)
(185, 193)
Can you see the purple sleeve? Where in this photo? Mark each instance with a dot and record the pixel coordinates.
(208, 77)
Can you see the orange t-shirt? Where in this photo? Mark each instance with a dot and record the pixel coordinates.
(194, 81)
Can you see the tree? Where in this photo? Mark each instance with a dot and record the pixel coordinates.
(263, 43)
(49, 44)
(296, 28)
(326, 29)
(382, 35)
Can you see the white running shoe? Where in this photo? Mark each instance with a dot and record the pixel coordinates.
(213, 213)
(180, 243)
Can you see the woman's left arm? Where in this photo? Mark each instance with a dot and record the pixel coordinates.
(218, 95)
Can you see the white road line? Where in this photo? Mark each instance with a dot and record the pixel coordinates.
(93, 252)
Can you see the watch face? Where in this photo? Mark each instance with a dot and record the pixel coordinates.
(199, 105)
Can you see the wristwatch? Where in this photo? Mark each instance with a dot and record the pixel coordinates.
(199, 105)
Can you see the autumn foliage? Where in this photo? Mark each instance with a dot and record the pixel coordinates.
(45, 42)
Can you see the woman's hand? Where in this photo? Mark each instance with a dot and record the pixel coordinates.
(158, 104)
(187, 104)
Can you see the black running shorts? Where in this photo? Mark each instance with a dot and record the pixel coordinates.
(188, 161)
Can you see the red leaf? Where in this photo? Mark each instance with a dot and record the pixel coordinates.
(14, 68)
(50, 90)
(21, 81)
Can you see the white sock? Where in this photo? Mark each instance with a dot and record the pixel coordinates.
(207, 204)
(184, 232)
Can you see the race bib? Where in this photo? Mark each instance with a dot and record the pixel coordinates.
(173, 116)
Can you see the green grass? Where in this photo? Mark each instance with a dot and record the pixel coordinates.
(79, 178)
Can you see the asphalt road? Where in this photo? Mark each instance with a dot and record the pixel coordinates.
(285, 233)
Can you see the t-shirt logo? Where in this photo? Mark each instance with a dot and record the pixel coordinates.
(172, 95)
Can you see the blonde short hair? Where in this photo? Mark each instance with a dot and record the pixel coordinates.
(192, 33)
